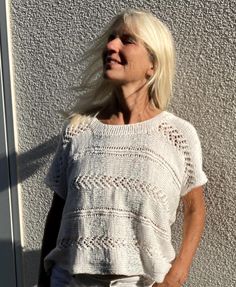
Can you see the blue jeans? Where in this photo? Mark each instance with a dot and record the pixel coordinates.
(62, 278)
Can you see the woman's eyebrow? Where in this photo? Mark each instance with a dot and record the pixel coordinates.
(127, 34)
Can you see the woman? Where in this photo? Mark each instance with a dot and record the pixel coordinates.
(121, 167)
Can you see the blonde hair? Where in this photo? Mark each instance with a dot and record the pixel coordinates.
(95, 92)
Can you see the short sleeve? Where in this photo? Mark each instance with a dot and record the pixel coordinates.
(194, 175)
(56, 177)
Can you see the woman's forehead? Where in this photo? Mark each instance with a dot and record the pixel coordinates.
(123, 28)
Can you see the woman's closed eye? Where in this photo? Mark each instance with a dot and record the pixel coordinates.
(111, 37)
(127, 39)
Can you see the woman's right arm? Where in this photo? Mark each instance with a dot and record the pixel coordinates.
(51, 230)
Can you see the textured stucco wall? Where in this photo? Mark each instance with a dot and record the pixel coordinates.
(48, 38)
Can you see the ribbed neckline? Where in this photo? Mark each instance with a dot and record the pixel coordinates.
(140, 127)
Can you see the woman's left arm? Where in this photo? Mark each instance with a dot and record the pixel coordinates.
(194, 220)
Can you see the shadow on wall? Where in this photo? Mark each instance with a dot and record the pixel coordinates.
(30, 161)
(31, 258)
(7, 274)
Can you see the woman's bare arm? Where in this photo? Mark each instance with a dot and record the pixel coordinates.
(51, 230)
(194, 221)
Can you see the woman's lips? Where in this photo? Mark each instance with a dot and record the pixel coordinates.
(112, 61)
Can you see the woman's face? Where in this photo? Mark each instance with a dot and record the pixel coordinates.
(126, 60)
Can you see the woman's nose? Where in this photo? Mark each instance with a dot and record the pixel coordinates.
(114, 44)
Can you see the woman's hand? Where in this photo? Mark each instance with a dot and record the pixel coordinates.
(176, 276)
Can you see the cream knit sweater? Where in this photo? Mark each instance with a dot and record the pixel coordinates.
(122, 185)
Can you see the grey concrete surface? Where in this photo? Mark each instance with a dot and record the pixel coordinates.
(48, 39)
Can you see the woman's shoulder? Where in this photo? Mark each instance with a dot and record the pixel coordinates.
(180, 125)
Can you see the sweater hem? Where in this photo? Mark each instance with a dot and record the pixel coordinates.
(80, 264)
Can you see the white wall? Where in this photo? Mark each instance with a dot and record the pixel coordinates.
(48, 38)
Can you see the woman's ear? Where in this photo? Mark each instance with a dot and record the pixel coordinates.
(150, 72)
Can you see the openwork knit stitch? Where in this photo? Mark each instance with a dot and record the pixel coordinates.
(101, 242)
(178, 140)
(122, 185)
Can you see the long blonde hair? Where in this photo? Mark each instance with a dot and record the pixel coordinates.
(95, 92)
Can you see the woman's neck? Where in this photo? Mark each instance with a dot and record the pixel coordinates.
(127, 108)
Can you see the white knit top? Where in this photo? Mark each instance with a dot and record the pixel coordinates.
(122, 185)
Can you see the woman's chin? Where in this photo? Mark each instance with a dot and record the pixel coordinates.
(112, 79)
